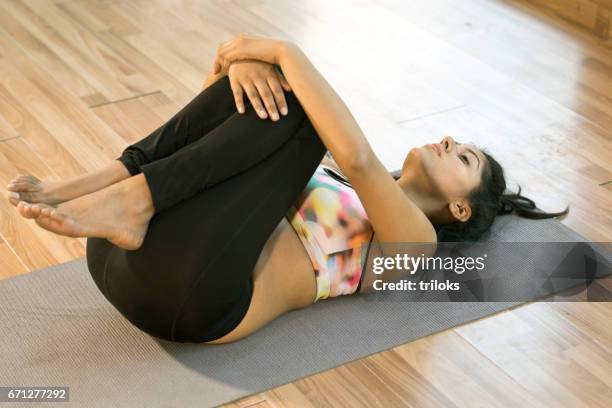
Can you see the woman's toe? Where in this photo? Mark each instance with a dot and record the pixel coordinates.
(25, 181)
(18, 187)
(40, 209)
(17, 180)
(35, 210)
(46, 210)
(24, 209)
(23, 186)
(13, 198)
(56, 214)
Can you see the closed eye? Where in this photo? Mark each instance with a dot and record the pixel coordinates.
(465, 159)
(475, 155)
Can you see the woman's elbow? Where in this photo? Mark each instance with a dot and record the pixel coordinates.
(360, 160)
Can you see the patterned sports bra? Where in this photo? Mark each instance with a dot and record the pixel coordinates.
(331, 222)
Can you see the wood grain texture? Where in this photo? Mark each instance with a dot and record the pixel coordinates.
(593, 15)
(81, 79)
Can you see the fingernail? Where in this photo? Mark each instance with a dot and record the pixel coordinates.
(274, 116)
(263, 114)
(284, 111)
(14, 195)
(241, 109)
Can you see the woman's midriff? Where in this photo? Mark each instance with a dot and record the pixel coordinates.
(283, 280)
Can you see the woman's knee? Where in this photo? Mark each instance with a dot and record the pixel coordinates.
(223, 86)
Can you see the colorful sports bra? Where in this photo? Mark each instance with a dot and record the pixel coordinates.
(331, 222)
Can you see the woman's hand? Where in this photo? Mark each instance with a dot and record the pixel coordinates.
(247, 46)
(259, 80)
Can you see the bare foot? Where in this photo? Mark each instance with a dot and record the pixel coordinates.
(120, 213)
(27, 187)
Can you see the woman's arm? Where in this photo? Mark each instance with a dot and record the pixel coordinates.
(394, 216)
(327, 112)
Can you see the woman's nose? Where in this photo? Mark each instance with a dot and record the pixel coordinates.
(448, 143)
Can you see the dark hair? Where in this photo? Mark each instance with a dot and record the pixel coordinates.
(487, 201)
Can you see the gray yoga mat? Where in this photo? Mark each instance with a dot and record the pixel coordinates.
(58, 330)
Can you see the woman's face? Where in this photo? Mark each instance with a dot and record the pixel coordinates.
(444, 172)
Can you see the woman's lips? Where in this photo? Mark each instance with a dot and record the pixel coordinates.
(436, 148)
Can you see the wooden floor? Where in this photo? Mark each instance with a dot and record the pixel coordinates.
(81, 79)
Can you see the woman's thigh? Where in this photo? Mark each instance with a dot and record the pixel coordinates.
(192, 278)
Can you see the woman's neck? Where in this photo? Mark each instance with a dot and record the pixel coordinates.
(434, 208)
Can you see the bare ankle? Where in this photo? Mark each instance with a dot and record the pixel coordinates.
(118, 171)
(138, 187)
(93, 181)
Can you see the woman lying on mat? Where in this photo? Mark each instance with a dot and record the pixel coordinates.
(220, 221)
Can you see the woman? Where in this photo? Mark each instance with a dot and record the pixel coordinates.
(218, 222)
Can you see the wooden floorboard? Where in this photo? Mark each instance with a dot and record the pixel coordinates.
(81, 79)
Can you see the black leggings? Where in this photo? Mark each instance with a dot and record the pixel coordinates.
(221, 183)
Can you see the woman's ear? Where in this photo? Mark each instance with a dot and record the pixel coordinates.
(460, 210)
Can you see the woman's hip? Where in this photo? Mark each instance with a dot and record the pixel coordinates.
(175, 301)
